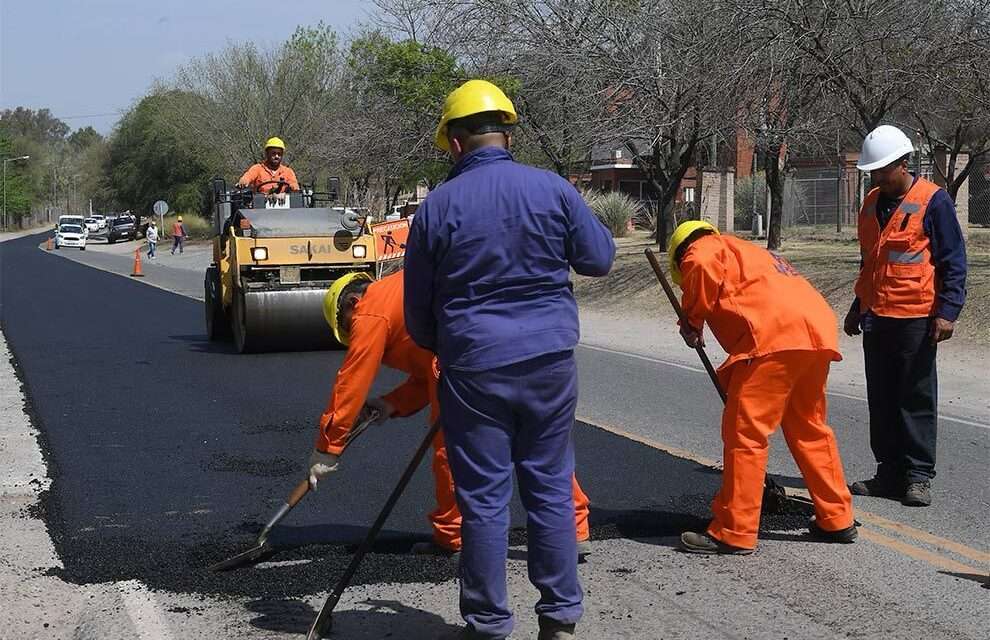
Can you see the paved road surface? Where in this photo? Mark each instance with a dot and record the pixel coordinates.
(167, 452)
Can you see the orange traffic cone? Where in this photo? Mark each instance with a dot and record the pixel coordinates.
(49, 247)
(137, 264)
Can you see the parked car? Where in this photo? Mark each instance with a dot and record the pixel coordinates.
(79, 221)
(92, 225)
(121, 229)
(70, 235)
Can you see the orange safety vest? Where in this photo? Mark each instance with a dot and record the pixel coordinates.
(754, 301)
(897, 279)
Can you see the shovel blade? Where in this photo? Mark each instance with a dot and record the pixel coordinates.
(244, 558)
(321, 626)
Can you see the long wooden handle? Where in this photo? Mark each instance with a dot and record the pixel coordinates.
(658, 270)
(298, 493)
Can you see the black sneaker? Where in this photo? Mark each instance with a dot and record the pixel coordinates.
(553, 630)
(877, 487)
(918, 494)
(843, 536)
(705, 544)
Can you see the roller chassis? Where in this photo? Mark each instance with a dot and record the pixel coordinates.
(273, 261)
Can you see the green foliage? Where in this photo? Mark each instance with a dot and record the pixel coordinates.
(615, 209)
(417, 76)
(18, 185)
(147, 163)
(40, 126)
(750, 197)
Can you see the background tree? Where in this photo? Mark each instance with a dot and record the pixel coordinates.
(232, 101)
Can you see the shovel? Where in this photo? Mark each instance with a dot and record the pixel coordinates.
(261, 546)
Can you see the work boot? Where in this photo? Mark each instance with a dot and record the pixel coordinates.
(876, 487)
(431, 548)
(583, 549)
(553, 630)
(918, 494)
(705, 544)
(843, 536)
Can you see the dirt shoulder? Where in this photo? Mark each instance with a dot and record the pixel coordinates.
(830, 263)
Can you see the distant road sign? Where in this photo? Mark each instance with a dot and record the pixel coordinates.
(160, 208)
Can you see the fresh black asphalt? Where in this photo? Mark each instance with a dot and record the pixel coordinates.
(168, 453)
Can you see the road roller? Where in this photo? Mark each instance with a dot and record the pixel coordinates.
(274, 257)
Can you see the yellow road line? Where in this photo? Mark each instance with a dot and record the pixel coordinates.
(864, 516)
(917, 553)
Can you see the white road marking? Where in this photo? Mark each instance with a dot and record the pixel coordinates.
(837, 394)
(142, 609)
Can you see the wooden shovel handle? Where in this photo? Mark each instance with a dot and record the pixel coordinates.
(298, 493)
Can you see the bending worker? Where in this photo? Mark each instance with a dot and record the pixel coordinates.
(488, 288)
(367, 317)
(909, 293)
(781, 336)
(270, 176)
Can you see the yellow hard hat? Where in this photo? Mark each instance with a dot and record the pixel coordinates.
(474, 96)
(331, 303)
(179, 219)
(274, 142)
(682, 233)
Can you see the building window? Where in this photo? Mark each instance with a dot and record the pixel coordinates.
(689, 194)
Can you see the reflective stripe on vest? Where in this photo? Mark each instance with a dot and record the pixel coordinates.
(898, 277)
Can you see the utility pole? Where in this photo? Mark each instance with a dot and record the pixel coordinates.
(6, 160)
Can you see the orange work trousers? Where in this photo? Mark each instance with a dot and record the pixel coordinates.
(446, 518)
(788, 389)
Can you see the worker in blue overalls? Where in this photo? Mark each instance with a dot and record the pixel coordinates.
(487, 283)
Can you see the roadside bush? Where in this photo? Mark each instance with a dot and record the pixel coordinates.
(199, 228)
(615, 209)
(750, 197)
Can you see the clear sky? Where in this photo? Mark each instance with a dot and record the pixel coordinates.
(86, 57)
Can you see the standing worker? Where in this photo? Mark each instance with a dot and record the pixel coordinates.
(910, 291)
(781, 336)
(179, 235)
(270, 176)
(488, 290)
(151, 234)
(368, 318)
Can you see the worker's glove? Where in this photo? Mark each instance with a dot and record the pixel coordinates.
(321, 465)
(382, 407)
(851, 325)
(692, 337)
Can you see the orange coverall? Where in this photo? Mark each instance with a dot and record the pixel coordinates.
(378, 336)
(781, 337)
(260, 173)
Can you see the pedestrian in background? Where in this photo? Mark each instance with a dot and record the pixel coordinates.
(179, 234)
(909, 293)
(781, 336)
(152, 236)
(487, 282)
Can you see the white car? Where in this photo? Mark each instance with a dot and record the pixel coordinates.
(79, 221)
(101, 220)
(70, 235)
(92, 224)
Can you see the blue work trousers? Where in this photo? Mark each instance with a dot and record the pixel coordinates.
(902, 389)
(522, 415)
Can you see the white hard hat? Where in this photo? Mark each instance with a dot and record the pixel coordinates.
(882, 146)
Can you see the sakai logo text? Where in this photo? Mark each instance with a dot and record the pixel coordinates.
(300, 249)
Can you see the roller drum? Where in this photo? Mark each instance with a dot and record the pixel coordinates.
(288, 319)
